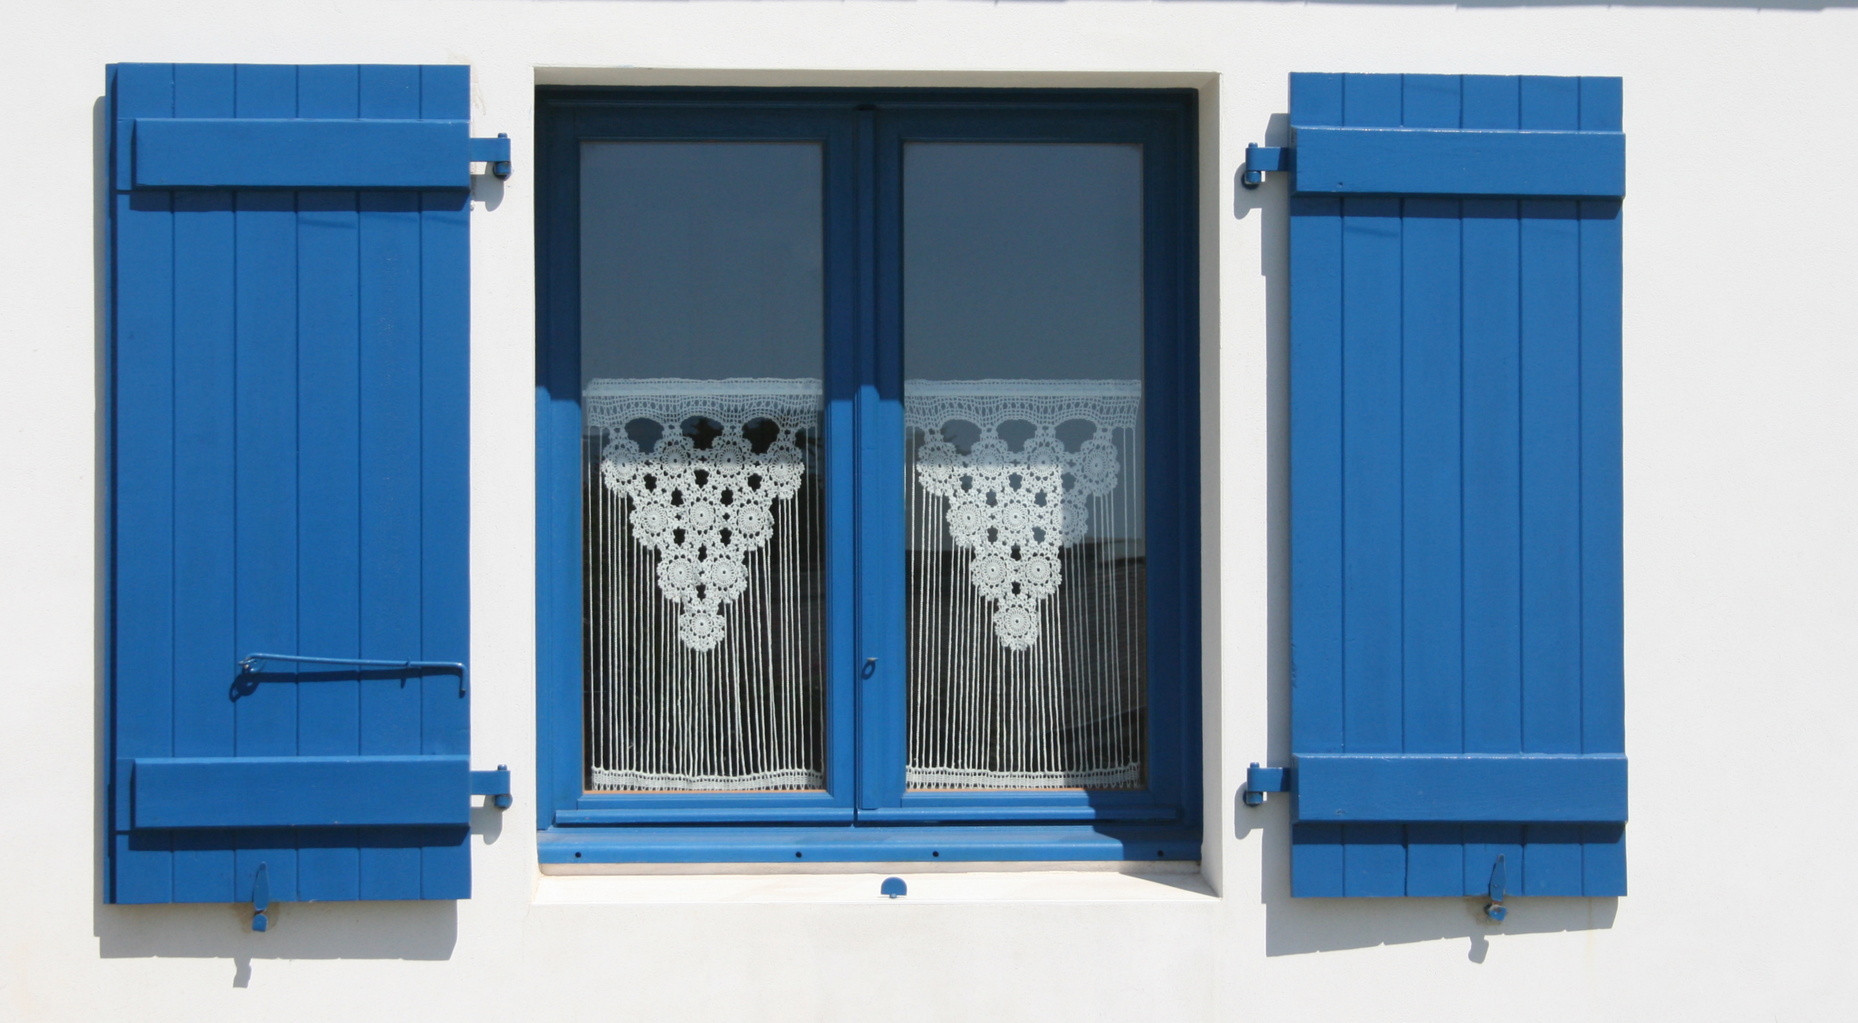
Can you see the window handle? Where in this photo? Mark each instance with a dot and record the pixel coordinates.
(870, 668)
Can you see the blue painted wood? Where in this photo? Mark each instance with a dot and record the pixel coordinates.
(1431, 261)
(1492, 473)
(390, 468)
(206, 578)
(563, 798)
(1478, 787)
(1408, 161)
(1445, 524)
(878, 466)
(260, 151)
(559, 476)
(277, 485)
(856, 845)
(294, 791)
(1602, 667)
(445, 464)
(141, 467)
(329, 466)
(864, 467)
(265, 454)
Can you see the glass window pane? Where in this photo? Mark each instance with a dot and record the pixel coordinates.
(702, 344)
(1023, 330)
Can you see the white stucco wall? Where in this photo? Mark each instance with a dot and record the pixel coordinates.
(1741, 474)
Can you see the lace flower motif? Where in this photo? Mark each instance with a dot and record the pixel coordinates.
(702, 510)
(1016, 510)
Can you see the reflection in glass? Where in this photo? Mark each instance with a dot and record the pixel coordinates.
(703, 549)
(1027, 609)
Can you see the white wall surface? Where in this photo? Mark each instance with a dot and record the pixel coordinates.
(1741, 477)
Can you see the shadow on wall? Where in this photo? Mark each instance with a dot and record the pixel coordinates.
(301, 930)
(1298, 925)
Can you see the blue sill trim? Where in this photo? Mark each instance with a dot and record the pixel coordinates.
(863, 845)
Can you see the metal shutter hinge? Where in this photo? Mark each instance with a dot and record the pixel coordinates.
(495, 152)
(1260, 780)
(1261, 159)
(495, 784)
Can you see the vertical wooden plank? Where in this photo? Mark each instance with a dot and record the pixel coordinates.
(1316, 475)
(1551, 444)
(1433, 636)
(444, 432)
(1316, 517)
(329, 471)
(1483, 844)
(1551, 475)
(1372, 101)
(1551, 860)
(1431, 101)
(205, 583)
(1492, 426)
(1372, 619)
(1602, 573)
(1317, 862)
(1603, 859)
(142, 477)
(1492, 481)
(265, 452)
(1491, 102)
(1492, 439)
(1372, 615)
(391, 703)
(1371, 568)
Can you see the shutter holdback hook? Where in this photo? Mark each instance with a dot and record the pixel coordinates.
(1499, 883)
(261, 898)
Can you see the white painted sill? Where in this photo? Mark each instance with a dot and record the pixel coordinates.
(576, 884)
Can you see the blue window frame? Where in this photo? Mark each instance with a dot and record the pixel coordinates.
(851, 153)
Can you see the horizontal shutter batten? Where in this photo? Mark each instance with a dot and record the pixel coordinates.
(202, 152)
(1419, 787)
(1414, 161)
(281, 792)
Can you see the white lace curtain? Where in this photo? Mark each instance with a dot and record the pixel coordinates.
(705, 603)
(704, 584)
(1026, 584)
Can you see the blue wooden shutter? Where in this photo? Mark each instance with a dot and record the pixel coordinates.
(288, 473)
(1455, 485)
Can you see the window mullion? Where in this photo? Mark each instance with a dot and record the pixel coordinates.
(880, 669)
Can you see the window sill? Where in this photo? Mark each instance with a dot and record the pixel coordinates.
(863, 845)
(1173, 883)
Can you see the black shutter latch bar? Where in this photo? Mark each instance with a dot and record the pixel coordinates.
(249, 664)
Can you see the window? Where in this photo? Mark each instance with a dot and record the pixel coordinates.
(866, 468)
